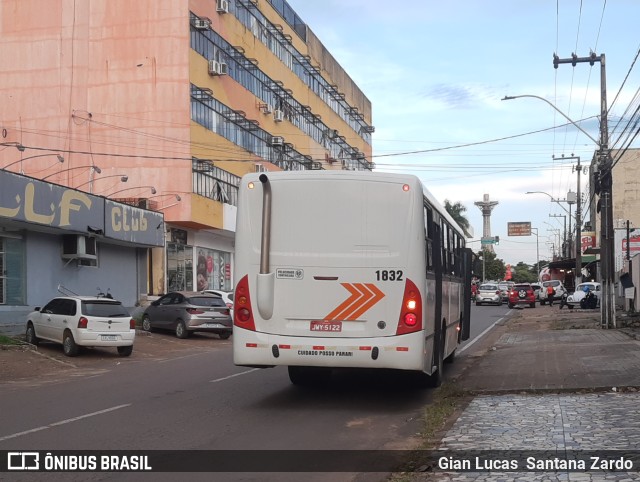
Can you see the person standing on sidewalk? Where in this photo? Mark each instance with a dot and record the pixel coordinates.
(550, 293)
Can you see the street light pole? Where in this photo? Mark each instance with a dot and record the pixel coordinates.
(552, 199)
(537, 254)
(605, 165)
(605, 180)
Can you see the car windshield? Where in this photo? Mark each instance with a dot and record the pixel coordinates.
(206, 301)
(488, 287)
(104, 309)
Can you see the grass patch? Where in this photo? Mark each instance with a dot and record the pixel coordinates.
(448, 400)
(7, 340)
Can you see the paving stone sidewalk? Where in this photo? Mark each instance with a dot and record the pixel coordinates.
(553, 384)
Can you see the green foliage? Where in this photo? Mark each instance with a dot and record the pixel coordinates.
(456, 211)
(524, 273)
(495, 268)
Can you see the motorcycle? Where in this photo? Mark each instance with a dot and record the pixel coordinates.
(589, 302)
(563, 300)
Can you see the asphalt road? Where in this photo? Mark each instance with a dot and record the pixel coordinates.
(196, 399)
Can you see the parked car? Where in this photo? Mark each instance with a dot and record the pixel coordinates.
(536, 290)
(227, 297)
(504, 291)
(76, 321)
(186, 312)
(558, 287)
(488, 293)
(579, 294)
(522, 294)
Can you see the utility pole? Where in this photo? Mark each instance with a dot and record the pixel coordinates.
(605, 181)
(578, 169)
(537, 255)
(578, 243)
(565, 253)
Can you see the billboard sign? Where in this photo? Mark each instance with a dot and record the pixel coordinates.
(519, 229)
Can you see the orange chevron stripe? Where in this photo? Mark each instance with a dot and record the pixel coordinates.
(362, 297)
(365, 295)
(354, 296)
(377, 296)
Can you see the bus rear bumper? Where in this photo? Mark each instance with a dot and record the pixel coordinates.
(404, 352)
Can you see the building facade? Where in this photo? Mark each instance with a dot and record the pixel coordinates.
(164, 105)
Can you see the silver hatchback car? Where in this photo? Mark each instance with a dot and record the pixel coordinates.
(489, 293)
(186, 312)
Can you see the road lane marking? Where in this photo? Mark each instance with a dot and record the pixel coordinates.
(483, 333)
(235, 375)
(63, 422)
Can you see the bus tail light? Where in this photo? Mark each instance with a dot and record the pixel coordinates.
(411, 312)
(242, 312)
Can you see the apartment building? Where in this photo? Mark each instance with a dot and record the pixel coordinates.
(164, 105)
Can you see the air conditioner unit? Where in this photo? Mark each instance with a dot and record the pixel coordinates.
(222, 6)
(277, 141)
(79, 246)
(278, 115)
(201, 24)
(266, 108)
(217, 68)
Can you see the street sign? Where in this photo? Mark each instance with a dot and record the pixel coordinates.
(519, 229)
(490, 240)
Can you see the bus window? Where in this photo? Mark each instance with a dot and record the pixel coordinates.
(428, 219)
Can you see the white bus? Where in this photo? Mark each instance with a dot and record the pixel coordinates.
(344, 269)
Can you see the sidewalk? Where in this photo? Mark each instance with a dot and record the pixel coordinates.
(550, 384)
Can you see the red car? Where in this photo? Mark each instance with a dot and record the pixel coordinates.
(522, 294)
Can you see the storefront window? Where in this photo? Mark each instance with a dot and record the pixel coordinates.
(12, 272)
(179, 267)
(213, 270)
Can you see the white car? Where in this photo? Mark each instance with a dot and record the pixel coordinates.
(558, 287)
(227, 297)
(574, 298)
(76, 321)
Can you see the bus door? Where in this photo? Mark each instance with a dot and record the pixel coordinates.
(467, 263)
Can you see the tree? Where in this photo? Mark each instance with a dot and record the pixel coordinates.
(494, 268)
(456, 211)
(525, 273)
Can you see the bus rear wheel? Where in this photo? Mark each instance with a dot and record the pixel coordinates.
(309, 376)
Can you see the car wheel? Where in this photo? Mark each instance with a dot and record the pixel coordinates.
(181, 330)
(69, 345)
(532, 305)
(146, 323)
(31, 337)
(125, 350)
(510, 305)
(225, 335)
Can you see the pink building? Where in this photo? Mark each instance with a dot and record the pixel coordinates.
(165, 104)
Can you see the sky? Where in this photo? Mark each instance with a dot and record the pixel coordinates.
(436, 71)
